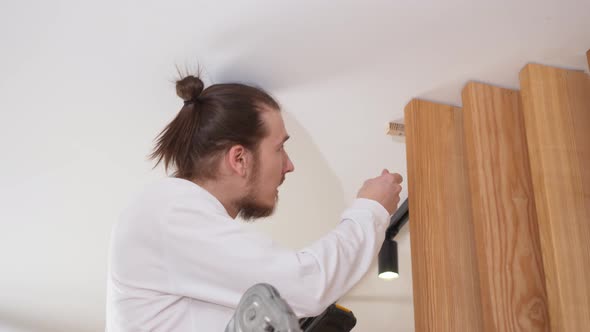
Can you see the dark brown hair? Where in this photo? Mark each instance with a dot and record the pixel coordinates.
(210, 122)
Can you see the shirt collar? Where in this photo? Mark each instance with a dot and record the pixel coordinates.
(215, 203)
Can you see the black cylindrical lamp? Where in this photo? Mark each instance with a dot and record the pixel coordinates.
(388, 267)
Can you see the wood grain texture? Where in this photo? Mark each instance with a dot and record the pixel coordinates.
(444, 266)
(556, 106)
(505, 223)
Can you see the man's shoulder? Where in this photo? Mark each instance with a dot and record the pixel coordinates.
(171, 202)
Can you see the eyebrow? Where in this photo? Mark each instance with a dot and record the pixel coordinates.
(285, 139)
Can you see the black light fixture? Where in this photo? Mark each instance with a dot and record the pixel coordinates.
(388, 263)
(388, 267)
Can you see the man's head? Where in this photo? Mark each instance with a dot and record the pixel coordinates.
(229, 138)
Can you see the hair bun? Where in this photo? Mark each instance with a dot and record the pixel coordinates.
(189, 88)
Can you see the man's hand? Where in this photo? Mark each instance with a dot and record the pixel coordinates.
(384, 189)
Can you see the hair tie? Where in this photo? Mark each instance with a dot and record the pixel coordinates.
(191, 101)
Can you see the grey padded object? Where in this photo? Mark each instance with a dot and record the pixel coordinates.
(262, 309)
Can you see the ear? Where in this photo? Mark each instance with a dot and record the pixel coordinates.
(238, 158)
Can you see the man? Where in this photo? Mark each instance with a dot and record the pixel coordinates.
(178, 259)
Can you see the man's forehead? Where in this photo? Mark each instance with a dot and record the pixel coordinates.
(276, 125)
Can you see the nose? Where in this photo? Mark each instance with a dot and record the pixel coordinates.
(289, 167)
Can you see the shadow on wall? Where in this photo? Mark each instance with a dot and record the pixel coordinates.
(311, 199)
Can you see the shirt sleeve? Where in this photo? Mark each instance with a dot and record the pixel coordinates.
(213, 258)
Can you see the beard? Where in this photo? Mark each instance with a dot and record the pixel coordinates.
(251, 209)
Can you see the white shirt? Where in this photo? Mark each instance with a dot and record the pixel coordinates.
(179, 262)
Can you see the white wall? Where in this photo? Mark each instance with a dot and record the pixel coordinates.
(86, 86)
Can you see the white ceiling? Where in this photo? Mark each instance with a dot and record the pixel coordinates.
(86, 86)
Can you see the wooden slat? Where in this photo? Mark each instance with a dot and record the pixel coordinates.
(506, 233)
(444, 267)
(556, 105)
